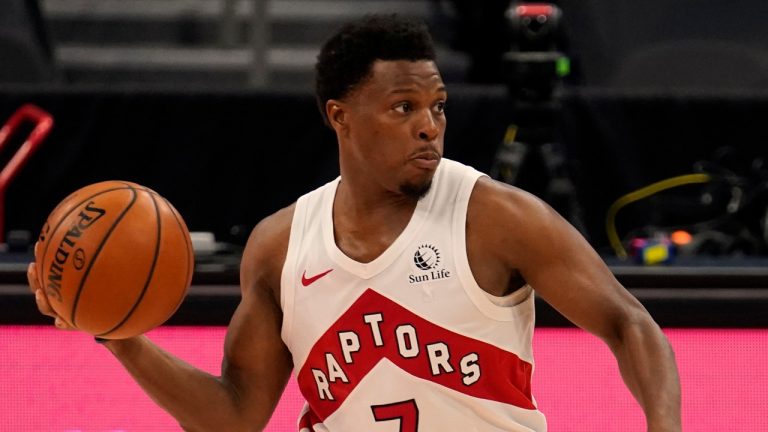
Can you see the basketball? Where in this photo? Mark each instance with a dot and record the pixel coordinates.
(115, 259)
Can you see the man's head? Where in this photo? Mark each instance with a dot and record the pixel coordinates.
(378, 87)
(347, 57)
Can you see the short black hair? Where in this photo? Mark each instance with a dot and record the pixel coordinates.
(345, 60)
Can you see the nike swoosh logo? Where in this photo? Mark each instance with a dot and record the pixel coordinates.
(307, 281)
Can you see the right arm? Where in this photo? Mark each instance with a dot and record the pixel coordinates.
(256, 364)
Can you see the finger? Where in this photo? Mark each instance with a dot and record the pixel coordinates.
(32, 277)
(37, 247)
(42, 304)
(61, 324)
(46, 309)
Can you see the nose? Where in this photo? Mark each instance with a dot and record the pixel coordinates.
(429, 127)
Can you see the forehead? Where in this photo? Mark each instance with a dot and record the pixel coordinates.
(404, 75)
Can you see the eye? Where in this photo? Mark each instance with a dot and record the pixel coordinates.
(403, 107)
(440, 107)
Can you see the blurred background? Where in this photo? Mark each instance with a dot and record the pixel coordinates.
(580, 102)
(642, 123)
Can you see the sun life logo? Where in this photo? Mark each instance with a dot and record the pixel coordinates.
(426, 257)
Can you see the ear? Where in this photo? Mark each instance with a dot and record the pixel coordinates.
(337, 115)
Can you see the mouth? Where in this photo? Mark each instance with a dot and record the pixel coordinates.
(426, 159)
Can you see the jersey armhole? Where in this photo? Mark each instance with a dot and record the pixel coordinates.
(500, 309)
(288, 275)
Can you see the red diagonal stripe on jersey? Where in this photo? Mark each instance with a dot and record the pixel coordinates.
(308, 420)
(503, 377)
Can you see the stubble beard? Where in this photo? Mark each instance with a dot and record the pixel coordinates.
(416, 191)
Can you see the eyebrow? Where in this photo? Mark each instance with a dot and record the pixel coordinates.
(402, 90)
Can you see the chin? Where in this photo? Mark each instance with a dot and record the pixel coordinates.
(416, 190)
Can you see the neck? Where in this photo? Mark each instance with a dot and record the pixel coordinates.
(366, 223)
(359, 202)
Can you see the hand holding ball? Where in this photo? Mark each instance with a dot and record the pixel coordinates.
(115, 259)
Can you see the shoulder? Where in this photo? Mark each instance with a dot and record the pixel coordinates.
(265, 251)
(511, 218)
(274, 228)
(507, 203)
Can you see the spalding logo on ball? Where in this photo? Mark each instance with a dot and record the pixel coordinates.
(115, 259)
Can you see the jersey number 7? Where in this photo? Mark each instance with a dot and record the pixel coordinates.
(406, 411)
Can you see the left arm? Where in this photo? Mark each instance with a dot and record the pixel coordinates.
(550, 255)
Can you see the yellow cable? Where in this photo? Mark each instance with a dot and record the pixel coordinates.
(644, 192)
(510, 134)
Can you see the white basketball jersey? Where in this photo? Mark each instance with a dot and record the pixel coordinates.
(408, 341)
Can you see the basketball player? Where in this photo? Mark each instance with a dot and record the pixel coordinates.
(401, 294)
